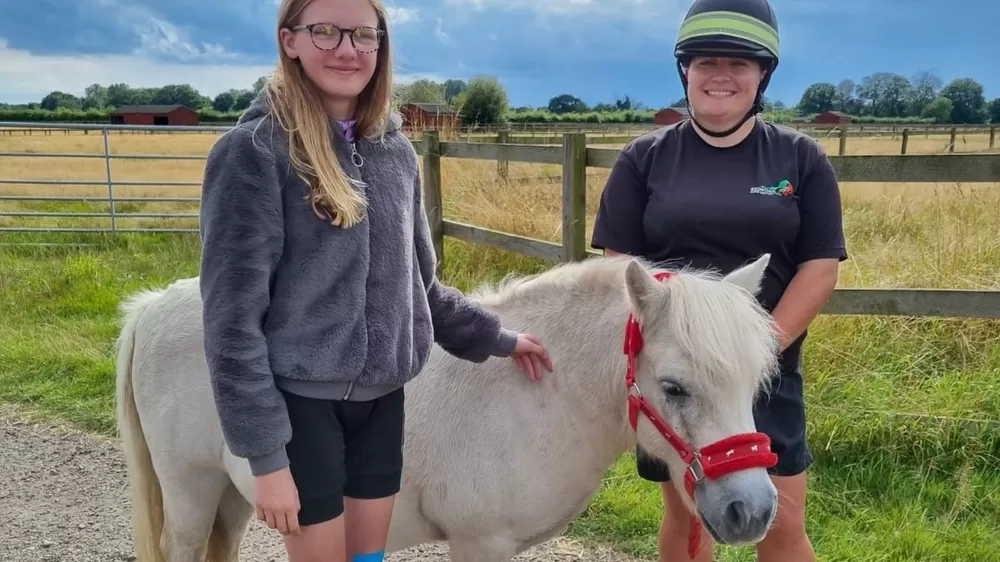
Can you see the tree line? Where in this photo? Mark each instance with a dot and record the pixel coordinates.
(889, 95)
(882, 97)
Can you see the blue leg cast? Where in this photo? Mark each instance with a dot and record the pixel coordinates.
(369, 557)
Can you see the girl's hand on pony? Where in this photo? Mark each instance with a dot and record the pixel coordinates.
(530, 356)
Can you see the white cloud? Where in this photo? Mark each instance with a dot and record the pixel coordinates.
(27, 77)
(441, 34)
(624, 9)
(398, 15)
(157, 36)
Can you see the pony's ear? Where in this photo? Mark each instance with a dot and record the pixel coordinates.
(640, 286)
(749, 276)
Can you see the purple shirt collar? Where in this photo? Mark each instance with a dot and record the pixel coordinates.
(348, 128)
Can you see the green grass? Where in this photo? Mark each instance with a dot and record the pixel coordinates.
(885, 487)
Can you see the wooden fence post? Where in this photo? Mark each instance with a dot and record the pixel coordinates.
(574, 197)
(503, 166)
(843, 140)
(432, 193)
(993, 136)
(906, 138)
(952, 140)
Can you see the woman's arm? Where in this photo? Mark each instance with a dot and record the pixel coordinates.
(618, 224)
(805, 296)
(819, 250)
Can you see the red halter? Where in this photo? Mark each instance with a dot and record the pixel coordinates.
(730, 454)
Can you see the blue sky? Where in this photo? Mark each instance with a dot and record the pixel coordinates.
(622, 47)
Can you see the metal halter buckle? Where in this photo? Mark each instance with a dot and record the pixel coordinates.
(696, 469)
(633, 389)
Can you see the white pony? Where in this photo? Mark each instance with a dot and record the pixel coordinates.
(494, 463)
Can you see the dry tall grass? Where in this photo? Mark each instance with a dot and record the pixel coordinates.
(528, 205)
(931, 235)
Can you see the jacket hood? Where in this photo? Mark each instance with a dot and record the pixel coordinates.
(259, 109)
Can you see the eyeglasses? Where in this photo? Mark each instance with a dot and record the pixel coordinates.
(328, 37)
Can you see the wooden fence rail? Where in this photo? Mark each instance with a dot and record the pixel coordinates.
(955, 135)
(575, 157)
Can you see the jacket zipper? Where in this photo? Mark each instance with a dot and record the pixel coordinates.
(356, 157)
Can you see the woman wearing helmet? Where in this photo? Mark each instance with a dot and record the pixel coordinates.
(716, 191)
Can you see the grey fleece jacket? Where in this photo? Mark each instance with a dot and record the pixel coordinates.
(292, 302)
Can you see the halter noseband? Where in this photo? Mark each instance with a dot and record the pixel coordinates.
(730, 454)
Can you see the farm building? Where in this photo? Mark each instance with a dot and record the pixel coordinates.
(154, 115)
(438, 116)
(671, 115)
(832, 118)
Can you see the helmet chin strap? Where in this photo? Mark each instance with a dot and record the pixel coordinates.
(727, 132)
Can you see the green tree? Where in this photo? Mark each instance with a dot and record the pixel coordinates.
(243, 100)
(183, 94)
(224, 101)
(969, 104)
(121, 94)
(994, 110)
(453, 88)
(485, 101)
(421, 91)
(886, 93)
(818, 98)
(845, 98)
(567, 103)
(95, 97)
(61, 100)
(926, 86)
(234, 100)
(939, 110)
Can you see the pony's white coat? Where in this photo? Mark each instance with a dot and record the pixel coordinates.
(494, 463)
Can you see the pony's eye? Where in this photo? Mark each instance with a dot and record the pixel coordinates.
(673, 390)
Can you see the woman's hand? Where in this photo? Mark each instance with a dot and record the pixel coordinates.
(531, 356)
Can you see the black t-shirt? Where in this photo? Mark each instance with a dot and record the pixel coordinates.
(676, 200)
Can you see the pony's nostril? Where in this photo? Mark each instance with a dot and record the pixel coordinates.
(737, 515)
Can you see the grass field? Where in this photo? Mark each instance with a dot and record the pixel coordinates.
(903, 412)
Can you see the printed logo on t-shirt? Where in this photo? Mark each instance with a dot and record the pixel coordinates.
(783, 189)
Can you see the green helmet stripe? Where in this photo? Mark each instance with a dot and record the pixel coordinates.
(733, 24)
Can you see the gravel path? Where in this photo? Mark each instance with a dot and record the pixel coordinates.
(63, 499)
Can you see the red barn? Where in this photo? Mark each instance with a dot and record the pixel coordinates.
(833, 118)
(436, 116)
(671, 115)
(154, 115)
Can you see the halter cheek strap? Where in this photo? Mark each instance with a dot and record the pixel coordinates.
(730, 454)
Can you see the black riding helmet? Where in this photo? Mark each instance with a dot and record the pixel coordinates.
(730, 28)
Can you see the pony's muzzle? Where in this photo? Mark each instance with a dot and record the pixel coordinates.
(738, 508)
(741, 521)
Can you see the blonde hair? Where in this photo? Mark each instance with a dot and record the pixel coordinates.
(297, 106)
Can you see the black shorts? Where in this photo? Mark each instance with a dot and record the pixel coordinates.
(780, 414)
(342, 448)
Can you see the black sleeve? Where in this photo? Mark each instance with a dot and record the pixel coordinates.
(618, 225)
(821, 229)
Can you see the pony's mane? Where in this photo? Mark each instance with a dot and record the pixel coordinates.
(589, 275)
(719, 329)
(714, 348)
